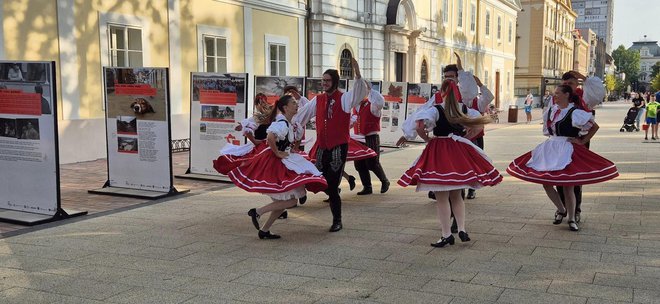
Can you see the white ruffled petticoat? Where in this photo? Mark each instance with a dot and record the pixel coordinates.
(552, 155)
(234, 150)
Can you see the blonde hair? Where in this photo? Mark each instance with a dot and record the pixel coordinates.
(453, 109)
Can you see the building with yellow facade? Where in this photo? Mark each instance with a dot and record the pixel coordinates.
(260, 37)
(546, 44)
(405, 40)
(412, 40)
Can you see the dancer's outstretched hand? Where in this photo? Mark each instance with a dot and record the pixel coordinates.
(459, 63)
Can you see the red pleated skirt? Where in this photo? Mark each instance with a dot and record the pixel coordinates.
(356, 151)
(226, 163)
(266, 173)
(586, 167)
(446, 161)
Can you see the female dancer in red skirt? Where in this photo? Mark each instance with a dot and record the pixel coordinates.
(278, 171)
(254, 129)
(563, 160)
(469, 166)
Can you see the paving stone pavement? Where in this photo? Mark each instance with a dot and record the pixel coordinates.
(202, 248)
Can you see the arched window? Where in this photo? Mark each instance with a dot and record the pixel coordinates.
(424, 73)
(345, 67)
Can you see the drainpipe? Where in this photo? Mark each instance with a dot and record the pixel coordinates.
(308, 41)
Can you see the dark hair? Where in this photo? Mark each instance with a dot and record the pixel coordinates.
(290, 88)
(279, 105)
(572, 96)
(335, 78)
(568, 76)
(450, 68)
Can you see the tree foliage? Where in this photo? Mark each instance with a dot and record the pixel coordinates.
(655, 83)
(627, 61)
(610, 82)
(655, 69)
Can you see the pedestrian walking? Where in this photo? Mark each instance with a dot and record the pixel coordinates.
(640, 104)
(652, 119)
(529, 100)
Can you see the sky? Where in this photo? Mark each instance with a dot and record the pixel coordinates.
(633, 19)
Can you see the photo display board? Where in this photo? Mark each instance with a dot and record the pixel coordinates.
(218, 105)
(313, 87)
(393, 114)
(29, 160)
(418, 95)
(273, 86)
(138, 128)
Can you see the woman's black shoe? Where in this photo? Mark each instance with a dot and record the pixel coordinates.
(559, 217)
(284, 215)
(255, 217)
(351, 182)
(573, 226)
(366, 191)
(463, 236)
(432, 195)
(454, 226)
(302, 200)
(444, 241)
(267, 235)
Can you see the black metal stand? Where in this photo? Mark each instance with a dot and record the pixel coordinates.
(31, 219)
(136, 193)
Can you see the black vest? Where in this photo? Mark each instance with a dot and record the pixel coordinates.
(565, 126)
(260, 132)
(443, 127)
(283, 144)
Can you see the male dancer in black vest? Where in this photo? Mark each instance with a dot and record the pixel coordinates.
(332, 110)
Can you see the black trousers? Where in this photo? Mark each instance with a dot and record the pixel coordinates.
(479, 142)
(331, 163)
(370, 164)
(577, 190)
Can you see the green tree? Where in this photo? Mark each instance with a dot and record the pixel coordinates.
(610, 82)
(655, 83)
(627, 61)
(655, 69)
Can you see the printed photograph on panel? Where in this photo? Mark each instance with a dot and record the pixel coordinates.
(31, 79)
(127, 125)
(8, 127)
(273, 86)
(27, 128)
(127, 145)
(138, 92)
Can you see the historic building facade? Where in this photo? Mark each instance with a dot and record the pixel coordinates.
(649, 53)
(260, 37)
(546, 45)
(412, 40)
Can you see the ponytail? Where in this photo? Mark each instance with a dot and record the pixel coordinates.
(454, 109)
(279, 106)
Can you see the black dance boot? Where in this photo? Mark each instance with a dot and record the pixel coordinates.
(385, 185)
(267, 235)
(367, 190)
(336, 226)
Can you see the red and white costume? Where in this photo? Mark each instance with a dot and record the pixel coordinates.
(356, 151)
(279, 178)
(231, 156)
(449, 161)
(557, 161)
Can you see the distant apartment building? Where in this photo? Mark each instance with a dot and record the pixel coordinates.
(546, 44)
(597, 15)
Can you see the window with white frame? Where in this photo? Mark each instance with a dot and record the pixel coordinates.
(215, 54)
(424, 72)
(460, 13)
(487, 23)
(473, 17)
(125, 46)
(277, 59)
(445, 11)
(510, 31)
(499, 27)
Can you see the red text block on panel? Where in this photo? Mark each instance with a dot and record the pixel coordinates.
(19, 102)
(217, 97)
(389, 98)
(135, 89)
(416, 99)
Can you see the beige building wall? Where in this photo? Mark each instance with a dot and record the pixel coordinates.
(75, 34)
(546, 45)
